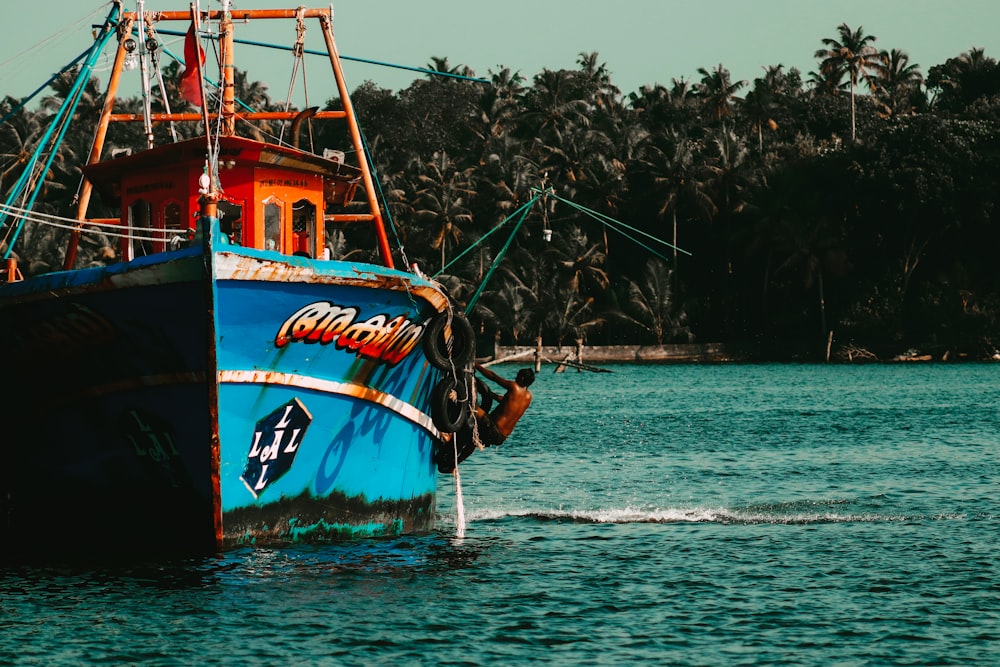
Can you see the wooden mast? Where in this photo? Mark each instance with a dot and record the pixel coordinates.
(326, 20)
(228, 113)
(87, 188)
(228, 77)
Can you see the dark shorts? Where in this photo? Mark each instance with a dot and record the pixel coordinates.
(488, 433)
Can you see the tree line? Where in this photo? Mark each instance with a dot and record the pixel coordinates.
(852, 209)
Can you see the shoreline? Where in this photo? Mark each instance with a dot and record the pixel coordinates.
(707, 353)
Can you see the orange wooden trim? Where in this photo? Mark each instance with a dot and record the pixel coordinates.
(348, 217)
(254, 115)
(381, 236)
(236, 14)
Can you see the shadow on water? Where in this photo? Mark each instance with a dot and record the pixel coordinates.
(429, 553)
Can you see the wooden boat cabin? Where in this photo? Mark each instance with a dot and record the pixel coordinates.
(273, 197)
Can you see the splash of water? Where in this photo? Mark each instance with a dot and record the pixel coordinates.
(459, 507)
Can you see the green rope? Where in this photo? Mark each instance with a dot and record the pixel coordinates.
(370, 159)
(611, 222)
(496, 262)
(314, 52)
(61, 123)
(484, 237)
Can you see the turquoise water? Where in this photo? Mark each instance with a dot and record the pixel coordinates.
(671, 515)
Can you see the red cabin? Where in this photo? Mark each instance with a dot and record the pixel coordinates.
(272, 197)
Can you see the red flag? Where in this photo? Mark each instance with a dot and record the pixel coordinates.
(194, 58)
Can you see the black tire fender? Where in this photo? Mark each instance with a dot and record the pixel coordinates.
(450, 403)
(462, 341)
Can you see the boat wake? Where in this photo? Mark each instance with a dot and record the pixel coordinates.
(724, 516)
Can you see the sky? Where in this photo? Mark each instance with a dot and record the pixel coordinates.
(640, 42)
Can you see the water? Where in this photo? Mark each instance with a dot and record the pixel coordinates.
(672, 515)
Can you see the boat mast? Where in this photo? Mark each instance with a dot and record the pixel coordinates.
(227, 113)
(228, 78)
(87, 188)
(326, 20)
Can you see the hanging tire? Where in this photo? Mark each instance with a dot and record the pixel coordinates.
(450, 403)
(454, 352)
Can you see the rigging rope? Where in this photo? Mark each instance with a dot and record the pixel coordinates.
(297, 61)
(42, 87)
(60, 122)
(485, 236)
(496, 262)
(381, 195)
(112, 229)
(83, 20)
(312, 52)
(523, 210)
(611, 222)
(615, 225)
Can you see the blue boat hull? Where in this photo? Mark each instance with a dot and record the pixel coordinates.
(211, 398)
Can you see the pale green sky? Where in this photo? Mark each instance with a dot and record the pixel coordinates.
(640, 41)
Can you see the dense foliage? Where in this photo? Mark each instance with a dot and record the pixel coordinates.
(857, 204)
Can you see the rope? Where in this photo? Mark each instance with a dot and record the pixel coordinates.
(485, 236)
(105, 228)
(42, 87)
(83, 20)
(311, 52)
(61, 121)
(381, 196)
(155, 59)
(611, 222)
(300, 30)
(496, 262)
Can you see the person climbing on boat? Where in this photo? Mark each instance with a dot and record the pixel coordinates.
(490, 428)
(496, 426)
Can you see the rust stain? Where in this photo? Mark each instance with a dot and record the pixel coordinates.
(231, 266)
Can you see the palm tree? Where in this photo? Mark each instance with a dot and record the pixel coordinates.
(650, 304)
(595, 83)
(658, 107)
(18, 137)
(769, 99)
(574, 318)
(506, 308)
(962, 80)
(854, 53)
(552, 106)
(675, 172)
(897, 82)
(579, 264)
(442, 200)
(718, 91)
(536, 300)
(496, 111)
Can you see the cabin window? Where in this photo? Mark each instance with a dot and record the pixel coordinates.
(231, 221)
(272, 225)
(140, 230)
(303, 227)
(175, 232)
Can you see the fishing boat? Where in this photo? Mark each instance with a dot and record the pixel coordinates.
(223, 378)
